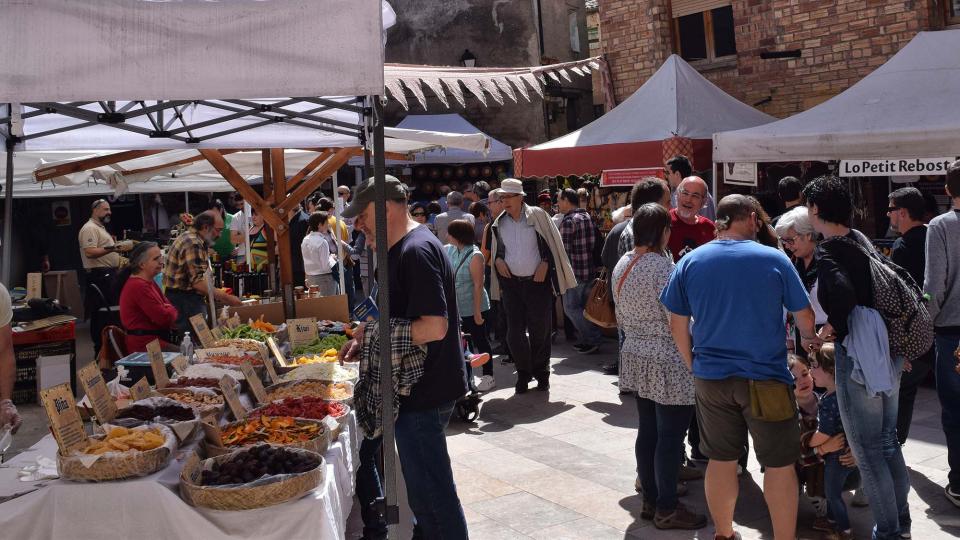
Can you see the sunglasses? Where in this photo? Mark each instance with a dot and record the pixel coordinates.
(419, 214)
(892, 209)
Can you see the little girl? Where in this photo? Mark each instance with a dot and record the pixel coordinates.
(828, 424)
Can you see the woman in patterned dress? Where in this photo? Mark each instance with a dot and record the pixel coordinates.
(652, 367)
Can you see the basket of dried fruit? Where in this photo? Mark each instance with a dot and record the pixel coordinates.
(255, 477)
(327, 390)
(120, 453)
(181, 418)
(309, 407)
(206, 401)
(280, 430)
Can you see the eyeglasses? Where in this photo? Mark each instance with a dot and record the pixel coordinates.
(892, 209)
(690, 194)
(788, 240)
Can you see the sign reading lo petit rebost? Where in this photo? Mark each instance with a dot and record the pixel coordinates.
(895, 167)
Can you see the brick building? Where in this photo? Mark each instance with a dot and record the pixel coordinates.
(781, 56)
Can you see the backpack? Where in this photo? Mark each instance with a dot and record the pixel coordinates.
(899, 301)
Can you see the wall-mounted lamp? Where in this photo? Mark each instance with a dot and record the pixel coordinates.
(467, 59)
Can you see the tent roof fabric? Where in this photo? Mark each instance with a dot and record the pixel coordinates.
(676, 101)
(453, 123)
(906, 108)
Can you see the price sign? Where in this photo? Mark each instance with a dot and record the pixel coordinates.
(96, 390)
(217, 334)
(155, 354)
(210, 355)
(256, 385)
(191, 468)
(229, 389)
(180, 364)
(64, 417)
(202, 330)
(276, 352)
(140, 390)
(34, 285)
(302, 331)
(211, 431)
(268, 362)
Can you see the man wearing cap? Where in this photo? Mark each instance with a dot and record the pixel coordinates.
(100, 255)
(422, 293)
(531, 270)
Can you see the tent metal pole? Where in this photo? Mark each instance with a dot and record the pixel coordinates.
(186, 201)
(336, 233)
(369, 252)
(8, 216)
(391, 509)
(715, 174)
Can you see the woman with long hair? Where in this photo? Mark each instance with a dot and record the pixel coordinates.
(145, 312)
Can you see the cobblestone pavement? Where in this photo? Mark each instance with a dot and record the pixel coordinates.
(561, 465)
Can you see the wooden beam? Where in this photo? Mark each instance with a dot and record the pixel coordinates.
(295, 179)
(231, 175)
(46, 173)
(270, 232)
(186, 161)
(307, 187)
(283, 232)
(397, 156)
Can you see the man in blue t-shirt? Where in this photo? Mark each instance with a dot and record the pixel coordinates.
(735, 290)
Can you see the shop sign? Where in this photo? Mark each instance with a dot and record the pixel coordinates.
(628, 177)
(740, 174)
(895, 167)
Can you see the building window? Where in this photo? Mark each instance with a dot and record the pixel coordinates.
(704, 30)
(574, 22)
(953, 11)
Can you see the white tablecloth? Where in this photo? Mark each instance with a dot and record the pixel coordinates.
(150, 507)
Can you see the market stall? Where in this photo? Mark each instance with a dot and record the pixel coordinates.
(899, 123)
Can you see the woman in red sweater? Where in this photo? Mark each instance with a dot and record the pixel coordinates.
(145, 312)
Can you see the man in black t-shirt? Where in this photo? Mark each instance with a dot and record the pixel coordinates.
(906, 211)
(422, 290)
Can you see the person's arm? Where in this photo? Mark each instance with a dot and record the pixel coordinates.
(8, 366)
(935, 270)
(198, 269)
(96, 252)
(818, 438)
(680, 328)
(153, 304)
(805, 320)
(476, 274)
(484, 247)
(428, 328)
(835, 292)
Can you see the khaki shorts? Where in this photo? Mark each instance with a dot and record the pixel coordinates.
(724, 417)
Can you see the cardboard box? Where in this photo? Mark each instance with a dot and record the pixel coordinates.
(63, 285)
(272, 313)
(53, 370)
(329, 308)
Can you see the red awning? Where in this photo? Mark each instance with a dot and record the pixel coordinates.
(596, 159)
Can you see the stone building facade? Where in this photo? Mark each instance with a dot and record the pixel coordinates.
(781, 56)
(499, 33)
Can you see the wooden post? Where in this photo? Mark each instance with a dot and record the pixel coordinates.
(271, 239)
(279, 176)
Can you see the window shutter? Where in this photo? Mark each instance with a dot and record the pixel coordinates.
(689, 7)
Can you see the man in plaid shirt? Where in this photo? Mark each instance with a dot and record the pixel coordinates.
(579, 239)
(185, 271)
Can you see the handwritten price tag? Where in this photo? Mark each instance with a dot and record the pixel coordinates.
(155, 354)
(229, 389)
(140, 390)
(256, 385)
(302, 331)
(96, 390)
(180, 364)
(202, 330)
(217, 334)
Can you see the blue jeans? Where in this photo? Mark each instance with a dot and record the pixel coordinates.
(369, 489)
(659, 450)
(422, 446)
(834, 479)
(871, 427)
(574, 300)
(948, 390)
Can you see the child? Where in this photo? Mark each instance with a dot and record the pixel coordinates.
(828, 419)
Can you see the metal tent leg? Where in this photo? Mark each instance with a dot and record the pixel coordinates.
(8, 217)
(391, 510)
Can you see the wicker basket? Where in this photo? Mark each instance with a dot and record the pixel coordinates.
(259, 494)
(318, 444)
(346, 401)
(341, 419)
(120, 465)
(203, 410)
(183, 429)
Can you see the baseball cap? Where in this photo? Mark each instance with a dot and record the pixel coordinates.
(367, 193)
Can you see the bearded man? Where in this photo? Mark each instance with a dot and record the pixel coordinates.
(688, 229)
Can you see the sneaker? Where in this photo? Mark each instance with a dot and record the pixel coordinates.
(859, 499)
(680, 518)
(952, 495)
(690, 473)
(611, 369)
(486, 384)
(474, 383)
(823, 524)
(648, 511)
(477, 360)
(543, 384)
(587, 349)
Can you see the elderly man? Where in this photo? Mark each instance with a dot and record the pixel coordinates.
(100, 256)
(186, 272)
(422, 292)
(531, 269)
(477, 192)
(677, 169)
(579, 237)
(736, 290)
(688, 229)
(454, 211)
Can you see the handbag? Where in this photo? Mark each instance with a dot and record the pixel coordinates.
(599, 309)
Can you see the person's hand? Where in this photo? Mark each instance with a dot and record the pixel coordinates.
(478, 319)
(502, 268)
(9, 415)
(907, 366)
(541, 273)
(847, 459)
(811, 344)
(351, 348)
(233, 301)
(833, 444)
(826, 333)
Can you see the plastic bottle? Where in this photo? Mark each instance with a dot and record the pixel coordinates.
(186, 346)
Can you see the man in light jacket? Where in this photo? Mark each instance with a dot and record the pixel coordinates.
(531, 269)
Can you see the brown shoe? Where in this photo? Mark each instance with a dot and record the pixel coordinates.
(690, 473)
(648, 511)
(734, 536)
(680, 518)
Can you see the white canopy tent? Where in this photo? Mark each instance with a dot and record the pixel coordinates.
(907, 108)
